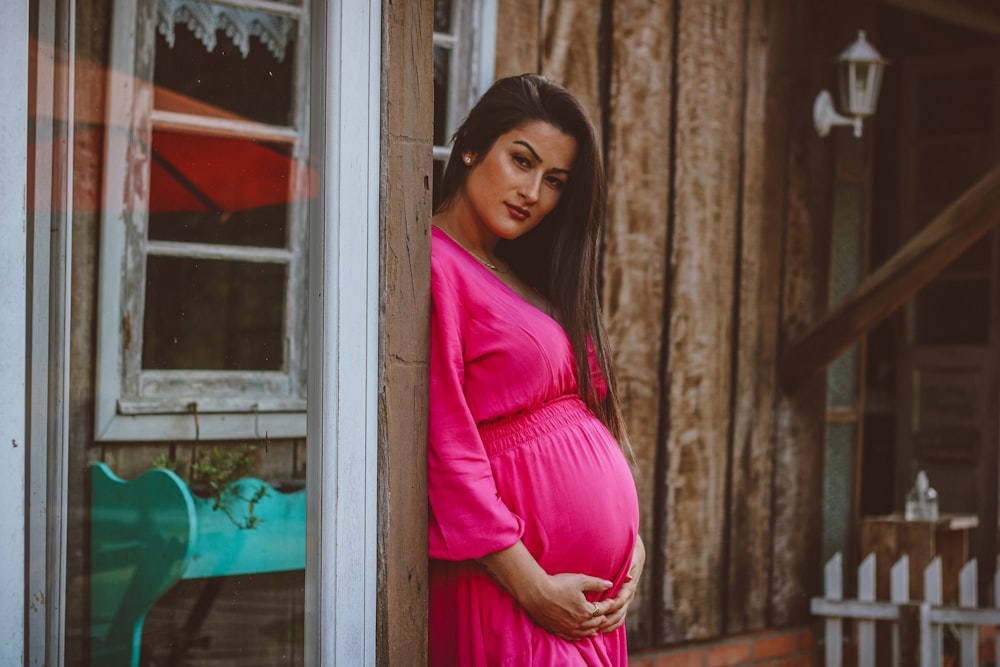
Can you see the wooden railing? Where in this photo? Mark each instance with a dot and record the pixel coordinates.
(917, 626)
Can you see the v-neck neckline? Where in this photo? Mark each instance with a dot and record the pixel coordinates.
(510, 290)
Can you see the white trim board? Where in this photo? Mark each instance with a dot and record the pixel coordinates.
(343, 335)
(13, 324)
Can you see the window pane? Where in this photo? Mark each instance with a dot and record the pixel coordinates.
(258, 85)
(442, 15)
(209, 189)
(256, 227)
(442, 84)
(194, 623)
(213, 315)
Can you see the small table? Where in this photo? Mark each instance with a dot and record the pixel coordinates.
(890, 537)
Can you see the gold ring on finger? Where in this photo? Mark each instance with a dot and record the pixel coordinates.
(596, 612)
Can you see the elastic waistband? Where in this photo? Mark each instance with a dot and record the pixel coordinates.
(507, 432)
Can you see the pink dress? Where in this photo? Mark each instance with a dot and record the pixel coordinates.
(513, 453)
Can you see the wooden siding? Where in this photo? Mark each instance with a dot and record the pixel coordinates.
(518, 23)
(404, 333)
(797, 477)
(701, 294)
(635, 253)
(715, 257)
(570, 50)
(762, 194)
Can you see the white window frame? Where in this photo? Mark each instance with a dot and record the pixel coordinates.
(342, 452)
(13, 304)
(471, 67)
(49, 246)
(136, 404)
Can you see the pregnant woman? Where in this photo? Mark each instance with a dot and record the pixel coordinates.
(533, 537)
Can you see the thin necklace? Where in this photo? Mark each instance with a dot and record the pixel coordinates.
(489, 265)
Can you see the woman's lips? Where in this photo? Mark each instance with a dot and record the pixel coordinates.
(517, 212)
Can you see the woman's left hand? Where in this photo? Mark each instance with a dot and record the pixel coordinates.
(614, 614)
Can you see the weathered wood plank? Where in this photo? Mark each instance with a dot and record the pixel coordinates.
(699, 367)
(915, 264)
(968, 15)
(570, 53)
(769, 27)
(404, 334)
(518, 26)
(635, 255)
(799, 429)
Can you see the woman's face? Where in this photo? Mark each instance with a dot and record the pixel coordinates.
(513, 187)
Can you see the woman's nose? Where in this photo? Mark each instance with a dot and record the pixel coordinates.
(530, 187)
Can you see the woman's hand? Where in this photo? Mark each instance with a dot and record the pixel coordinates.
(616, 608)
(557, 603)
(561, 606)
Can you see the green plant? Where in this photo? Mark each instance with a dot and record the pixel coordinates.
(216, 471)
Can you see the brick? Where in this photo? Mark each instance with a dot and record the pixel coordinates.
(777, 646)
(695, 658)
(640, 662)
(800, 661)
(805, 641)
(729, 655)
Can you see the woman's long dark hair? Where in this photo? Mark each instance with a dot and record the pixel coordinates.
(560, 256)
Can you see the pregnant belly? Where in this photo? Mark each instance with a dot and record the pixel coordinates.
(566, 477)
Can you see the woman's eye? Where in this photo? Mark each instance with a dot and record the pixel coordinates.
(556, 183)
(522, 161)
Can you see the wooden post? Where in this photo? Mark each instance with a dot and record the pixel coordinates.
(833, 589)
(932, 634)
(404, 334)
(968, 597)
(905, 642)
(866, 627)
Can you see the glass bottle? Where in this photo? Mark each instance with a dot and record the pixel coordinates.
(921, 500)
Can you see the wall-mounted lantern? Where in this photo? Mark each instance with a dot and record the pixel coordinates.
(860, 70)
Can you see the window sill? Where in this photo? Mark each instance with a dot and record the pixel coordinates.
(204, 426)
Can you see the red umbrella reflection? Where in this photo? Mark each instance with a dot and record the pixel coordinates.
(220, 169)
(192, 172)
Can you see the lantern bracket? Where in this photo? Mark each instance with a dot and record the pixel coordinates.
(825, 116)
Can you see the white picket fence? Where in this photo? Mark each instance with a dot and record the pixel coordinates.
(917, 625)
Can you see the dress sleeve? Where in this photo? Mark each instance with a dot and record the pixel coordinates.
(467, 517)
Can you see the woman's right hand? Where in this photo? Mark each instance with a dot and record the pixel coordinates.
(557, 602)
(561, 607)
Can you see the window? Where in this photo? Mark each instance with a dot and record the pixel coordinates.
(464, 51)
(202, 330)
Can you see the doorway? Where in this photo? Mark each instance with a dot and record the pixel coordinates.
(932, 386)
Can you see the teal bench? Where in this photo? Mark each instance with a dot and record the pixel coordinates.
(149, 533)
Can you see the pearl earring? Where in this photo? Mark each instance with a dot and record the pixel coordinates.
(467, 159)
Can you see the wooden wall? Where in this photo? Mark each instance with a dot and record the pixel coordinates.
(715, 257)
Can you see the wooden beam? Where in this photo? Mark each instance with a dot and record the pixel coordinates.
(953, 12)
(913, 266)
